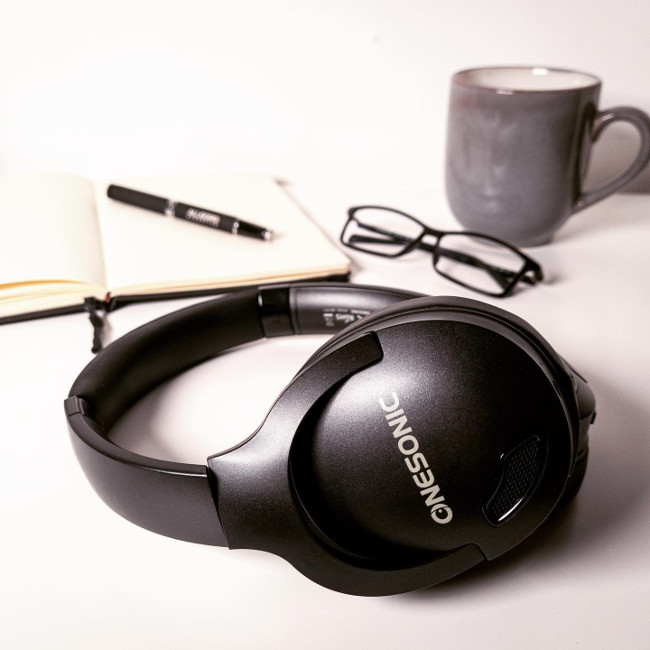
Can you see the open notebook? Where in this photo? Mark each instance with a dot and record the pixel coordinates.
(64, 242)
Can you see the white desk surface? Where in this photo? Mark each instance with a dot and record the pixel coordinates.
(75, 575)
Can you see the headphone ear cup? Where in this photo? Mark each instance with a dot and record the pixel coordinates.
(462, 434)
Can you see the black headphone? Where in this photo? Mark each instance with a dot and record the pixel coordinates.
(428, 435)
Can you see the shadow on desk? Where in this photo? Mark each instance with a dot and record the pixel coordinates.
(616, 214)
(609, 516)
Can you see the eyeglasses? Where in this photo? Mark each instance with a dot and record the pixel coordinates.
(473, 260)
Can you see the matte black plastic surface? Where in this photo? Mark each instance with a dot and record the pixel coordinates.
(170, 498)
(173, 499)
(136, 198)
(374, 470)
(257, 500)
(134, 364)
(471, 390)
(326, 308)
(275, 311)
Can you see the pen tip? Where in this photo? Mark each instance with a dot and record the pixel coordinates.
(268, 235)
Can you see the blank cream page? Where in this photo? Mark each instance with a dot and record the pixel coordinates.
(49, 230)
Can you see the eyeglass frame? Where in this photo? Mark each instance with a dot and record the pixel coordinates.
(530, 266)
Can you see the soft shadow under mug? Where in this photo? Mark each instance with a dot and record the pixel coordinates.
(518, 147)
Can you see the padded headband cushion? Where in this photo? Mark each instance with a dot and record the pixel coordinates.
(136, 363)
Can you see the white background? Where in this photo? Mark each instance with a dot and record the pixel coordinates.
(348, 91)
(347, 101)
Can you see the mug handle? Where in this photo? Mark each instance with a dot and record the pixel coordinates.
(603, 119)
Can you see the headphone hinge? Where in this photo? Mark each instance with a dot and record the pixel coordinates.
(275, 310)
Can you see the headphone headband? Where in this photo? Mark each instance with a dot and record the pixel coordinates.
(175, 499)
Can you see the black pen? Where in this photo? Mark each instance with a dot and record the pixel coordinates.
(191, 213)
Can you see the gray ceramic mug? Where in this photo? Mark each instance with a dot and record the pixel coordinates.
(518, 146)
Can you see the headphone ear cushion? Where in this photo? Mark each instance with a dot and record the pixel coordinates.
(575, 480)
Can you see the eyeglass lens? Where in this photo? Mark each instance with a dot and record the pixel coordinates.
(479, 263)
(381, 231)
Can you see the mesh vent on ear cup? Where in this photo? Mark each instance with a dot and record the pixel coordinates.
(520, 471)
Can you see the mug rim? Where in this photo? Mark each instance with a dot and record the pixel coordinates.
(457, 78)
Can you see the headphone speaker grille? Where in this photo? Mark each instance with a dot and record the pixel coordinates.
(520, 472)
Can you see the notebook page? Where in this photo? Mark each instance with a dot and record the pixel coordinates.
(146, 251)
(49, 229)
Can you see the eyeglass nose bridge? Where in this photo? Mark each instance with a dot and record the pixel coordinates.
(428, 240)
